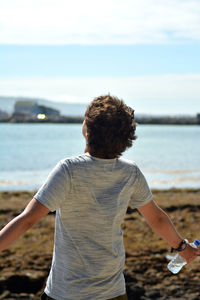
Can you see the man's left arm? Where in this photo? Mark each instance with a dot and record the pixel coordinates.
(33, 212)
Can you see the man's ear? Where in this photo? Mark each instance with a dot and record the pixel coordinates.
(84, 130)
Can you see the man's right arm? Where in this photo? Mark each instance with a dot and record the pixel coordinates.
(159, 221)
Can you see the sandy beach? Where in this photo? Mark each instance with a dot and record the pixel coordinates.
(25, 265)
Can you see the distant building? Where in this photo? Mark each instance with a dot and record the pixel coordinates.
(33, 109)
(48, 111)
(26, 107)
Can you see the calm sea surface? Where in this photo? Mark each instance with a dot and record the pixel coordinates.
(169, 156)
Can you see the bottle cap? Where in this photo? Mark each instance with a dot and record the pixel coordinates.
(197, 242)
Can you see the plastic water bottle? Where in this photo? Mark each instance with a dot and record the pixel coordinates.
(177, 262)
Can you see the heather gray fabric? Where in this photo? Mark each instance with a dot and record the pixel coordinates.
(90, 196)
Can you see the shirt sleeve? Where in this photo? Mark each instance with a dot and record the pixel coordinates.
(54, 190)
(141, 193)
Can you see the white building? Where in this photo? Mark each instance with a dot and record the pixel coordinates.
(26, 108)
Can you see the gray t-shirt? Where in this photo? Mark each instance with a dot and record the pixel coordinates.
(90, 196)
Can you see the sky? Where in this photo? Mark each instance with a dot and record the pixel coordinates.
(144, 51)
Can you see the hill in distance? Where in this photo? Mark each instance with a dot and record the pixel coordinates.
(67, 109)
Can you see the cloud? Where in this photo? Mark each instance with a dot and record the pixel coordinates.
(99, 22)
(163, 94)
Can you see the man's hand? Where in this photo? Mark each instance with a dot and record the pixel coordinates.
(190, 253)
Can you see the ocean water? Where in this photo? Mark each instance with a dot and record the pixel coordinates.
(169, 156)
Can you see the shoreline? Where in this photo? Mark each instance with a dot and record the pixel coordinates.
(154, 190)
(24, 265)
(63, 119)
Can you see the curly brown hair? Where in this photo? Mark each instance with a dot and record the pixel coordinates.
(110, 127)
